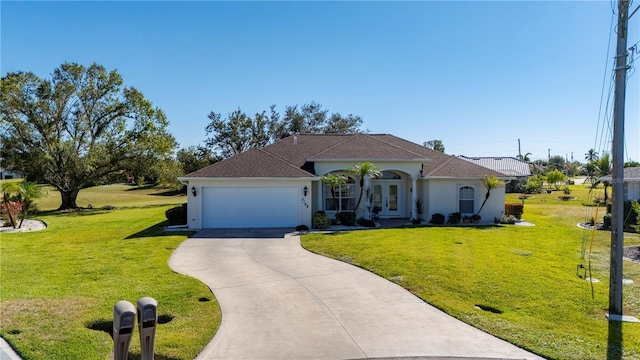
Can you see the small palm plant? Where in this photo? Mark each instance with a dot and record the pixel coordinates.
(490, 183)
(335, 182)
(361, 171)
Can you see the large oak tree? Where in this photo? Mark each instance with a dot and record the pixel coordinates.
(78, 128)
(239, 132)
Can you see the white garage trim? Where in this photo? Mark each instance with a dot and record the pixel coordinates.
(251, 206)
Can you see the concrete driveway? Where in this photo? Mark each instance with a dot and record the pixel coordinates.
(280, 301)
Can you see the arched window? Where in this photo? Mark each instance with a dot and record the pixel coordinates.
(466, 196)
(389, 175)
(345, 197)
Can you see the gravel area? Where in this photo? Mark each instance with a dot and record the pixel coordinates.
(27, 225)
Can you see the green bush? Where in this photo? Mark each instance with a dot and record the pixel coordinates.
(177, 215)
(454, 218)
(606, 220)
(630, 214)
(347, 218)
(566, 190)
(514, 208)
(320, 220)
(302, 227)
(437, 218)
(534, 185)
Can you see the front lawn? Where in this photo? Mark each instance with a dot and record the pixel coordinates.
(518, 283)
(59, 285)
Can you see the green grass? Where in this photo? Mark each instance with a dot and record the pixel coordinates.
(59, 285)
(526, 275)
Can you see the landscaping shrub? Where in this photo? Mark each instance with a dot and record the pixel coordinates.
(320, 220)
(177, 215)
(566, 190)
(606, 220)
(506, 219)
(516, 186)
(437, 218)
(347, 218)
(534, 185)
(630, 214)
(514, 208)
(454, 218)
(302, 228)
(475, 218)
(366, 223)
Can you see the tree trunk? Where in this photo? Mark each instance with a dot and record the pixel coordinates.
(68, 199)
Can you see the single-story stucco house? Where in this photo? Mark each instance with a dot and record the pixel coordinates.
(631, 183)
(279, 185)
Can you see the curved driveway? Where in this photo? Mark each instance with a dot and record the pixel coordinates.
(280, 301)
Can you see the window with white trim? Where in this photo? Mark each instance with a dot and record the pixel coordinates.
(466, 199)
(345, 197)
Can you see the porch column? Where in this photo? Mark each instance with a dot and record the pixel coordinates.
(367, 204)
(414, 197)
(319, 196)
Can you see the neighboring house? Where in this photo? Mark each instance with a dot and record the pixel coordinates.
(7, 175)
(508, 166)
(631, 183)
(279, 185)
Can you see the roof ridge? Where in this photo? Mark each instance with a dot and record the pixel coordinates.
(346, 138)
(442, 164)
(398, 147)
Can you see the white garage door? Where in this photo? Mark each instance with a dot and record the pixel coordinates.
(251, 207)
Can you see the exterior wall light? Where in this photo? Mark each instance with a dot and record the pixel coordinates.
(305, 190)
(193, 191)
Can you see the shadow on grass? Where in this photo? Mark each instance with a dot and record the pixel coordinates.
(155, 231)
(164, 192)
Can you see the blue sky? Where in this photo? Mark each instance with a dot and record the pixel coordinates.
(476, 75)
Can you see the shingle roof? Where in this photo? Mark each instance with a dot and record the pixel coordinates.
(291, 157)
(506, 165)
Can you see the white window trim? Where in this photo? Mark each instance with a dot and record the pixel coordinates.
(458, 188)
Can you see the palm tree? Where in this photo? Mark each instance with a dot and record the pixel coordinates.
(591, 155)
(603, 168)
(490, 183)
(525, 157)
(335, 182)
(361, 171)
(28, 193)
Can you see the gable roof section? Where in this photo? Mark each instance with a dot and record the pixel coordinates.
(292, 157)
(255, 162)
(506, 165)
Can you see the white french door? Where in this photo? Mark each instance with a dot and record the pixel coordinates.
(387, 197)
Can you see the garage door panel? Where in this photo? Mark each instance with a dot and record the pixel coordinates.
(250, 206)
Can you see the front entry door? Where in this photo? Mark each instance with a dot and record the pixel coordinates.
(387, 197)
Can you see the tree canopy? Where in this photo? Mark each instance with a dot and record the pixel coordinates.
(435, 145)
(78, 128)
(239, 132)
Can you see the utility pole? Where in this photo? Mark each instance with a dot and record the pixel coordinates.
(519, 152)
(617, 176)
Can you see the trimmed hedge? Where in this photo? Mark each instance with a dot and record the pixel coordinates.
(347, 218)
(320, 220)
(177, 215)
(437, 219)
(514, 208)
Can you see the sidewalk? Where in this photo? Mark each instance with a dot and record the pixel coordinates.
(280, 301)
(6, 352)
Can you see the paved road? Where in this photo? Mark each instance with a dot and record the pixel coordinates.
(280, 301)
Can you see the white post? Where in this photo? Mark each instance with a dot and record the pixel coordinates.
(414, 197)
